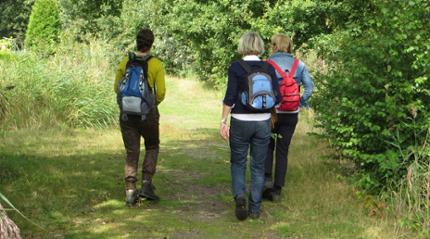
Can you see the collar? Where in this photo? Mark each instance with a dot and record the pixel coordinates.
(251, 58)
(141, 54)
(281, 53)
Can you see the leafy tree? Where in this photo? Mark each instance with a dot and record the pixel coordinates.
(14, 16)
(83, 16)
(210, 30)
(44, 25)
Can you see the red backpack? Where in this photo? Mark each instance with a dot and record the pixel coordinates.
(290, 91)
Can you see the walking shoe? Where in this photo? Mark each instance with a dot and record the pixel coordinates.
(272, 194)
(130, 197)
(268, 183)
(254, 215)
(241, 211)
(276, 194)
(147, 191)
(268, 194)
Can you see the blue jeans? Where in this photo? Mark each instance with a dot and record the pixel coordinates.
(256, 135)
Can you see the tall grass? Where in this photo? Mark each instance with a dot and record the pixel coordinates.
(73, 87)
(411, 198)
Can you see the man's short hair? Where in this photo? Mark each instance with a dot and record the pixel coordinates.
(250, 44)
(144, 39)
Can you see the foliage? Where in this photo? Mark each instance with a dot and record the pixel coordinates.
(202, 36)
(373, 103)
(44, 26)
(121, 31)
(82, 15)
(14, 16)
(211, 30)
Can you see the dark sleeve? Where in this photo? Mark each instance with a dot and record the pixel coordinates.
(275, 84)
(231, 93)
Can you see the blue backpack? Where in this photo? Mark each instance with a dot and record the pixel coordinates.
(135, 96)
(259, 96)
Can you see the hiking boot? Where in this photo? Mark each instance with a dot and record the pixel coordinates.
(276, 194)
(272, 194)
(254, 215)
(131, 197)
(147, 191)
(268, 183)
(241, 211)
(268, 194)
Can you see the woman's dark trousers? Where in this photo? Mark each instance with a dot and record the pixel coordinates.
(284, 130)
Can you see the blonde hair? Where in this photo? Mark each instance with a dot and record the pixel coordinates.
(250, 43)
(282, 42)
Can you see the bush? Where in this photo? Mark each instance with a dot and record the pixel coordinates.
(373, 103)
(44, 26)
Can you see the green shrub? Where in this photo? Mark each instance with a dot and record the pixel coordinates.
(44, 26)
(373, 103)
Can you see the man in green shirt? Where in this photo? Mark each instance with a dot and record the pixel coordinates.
(133, 127)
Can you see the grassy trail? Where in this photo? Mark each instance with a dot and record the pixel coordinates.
(70, 182)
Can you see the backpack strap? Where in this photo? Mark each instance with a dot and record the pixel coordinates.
(245, 66)
(132, 58)
(265, 67)
(248, 68)
(282, 72)
(294, 68)
(146, 59)
(277, 68)
(143, 62)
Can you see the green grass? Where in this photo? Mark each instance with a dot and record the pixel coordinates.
(71, 88)
(70, 182)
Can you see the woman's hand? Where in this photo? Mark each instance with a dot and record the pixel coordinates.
(224, 130)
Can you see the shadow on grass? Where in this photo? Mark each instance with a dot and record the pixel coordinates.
(81, 195)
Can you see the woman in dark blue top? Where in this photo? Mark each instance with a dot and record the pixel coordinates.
(248, 128)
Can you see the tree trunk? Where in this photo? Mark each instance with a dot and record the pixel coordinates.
(8, 229)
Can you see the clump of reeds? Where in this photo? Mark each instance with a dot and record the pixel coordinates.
(412, 199)
(74, 87)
